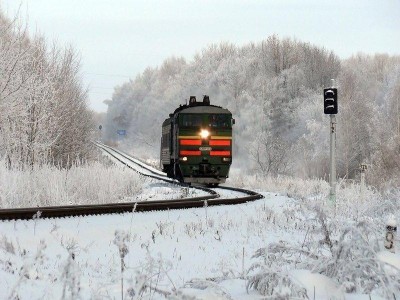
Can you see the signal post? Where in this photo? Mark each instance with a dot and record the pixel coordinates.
(331, 108)
(332, 151)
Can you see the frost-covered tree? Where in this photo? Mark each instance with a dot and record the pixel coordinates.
(274, 89)
(43, 109)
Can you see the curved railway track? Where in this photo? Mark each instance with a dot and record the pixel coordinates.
(96, 209)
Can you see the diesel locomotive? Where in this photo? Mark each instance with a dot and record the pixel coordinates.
(196, 143)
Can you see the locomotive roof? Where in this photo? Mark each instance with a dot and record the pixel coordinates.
(166, 122)
(200, 109)
(197, 109)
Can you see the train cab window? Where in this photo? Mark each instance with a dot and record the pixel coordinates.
(219, 120)
(191, 120)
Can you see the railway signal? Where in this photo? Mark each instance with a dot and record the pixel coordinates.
(330, 101)
(100, 128)
(331, 108)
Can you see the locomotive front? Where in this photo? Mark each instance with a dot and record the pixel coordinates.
(196, 145)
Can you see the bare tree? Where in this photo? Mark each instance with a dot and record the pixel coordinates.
(270, 155)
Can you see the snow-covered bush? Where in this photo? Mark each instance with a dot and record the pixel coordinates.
(346, 250)
(291, 186)
(354, 263)
(276, 284)
(70, 276)
(46, 185)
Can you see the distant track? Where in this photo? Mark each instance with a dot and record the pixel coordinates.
(99, 209)
(117, 154)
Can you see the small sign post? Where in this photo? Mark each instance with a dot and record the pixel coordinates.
(363, 168)
(391, 229)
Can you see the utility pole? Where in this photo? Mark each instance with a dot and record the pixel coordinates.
(331, 108)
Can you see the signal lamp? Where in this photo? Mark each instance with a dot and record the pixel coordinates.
(330, 101)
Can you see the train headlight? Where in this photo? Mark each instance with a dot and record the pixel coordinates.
(226, 159)
(204, 133)
(183, 158)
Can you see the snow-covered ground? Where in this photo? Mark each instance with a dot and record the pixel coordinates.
(168, 249)
(292, 244)
(204, 252)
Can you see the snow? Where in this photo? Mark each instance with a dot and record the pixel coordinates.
(209, 240)
(391, 221)
(156, 190)
(228, 193)
(205, 253)
(202, 252)
(389, 258)
(237, 289)
(230, 289)
(317, 285)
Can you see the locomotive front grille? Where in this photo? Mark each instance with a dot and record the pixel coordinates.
(204, 169)
(207, 169)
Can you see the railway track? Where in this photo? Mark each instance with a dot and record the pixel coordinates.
(213, 197)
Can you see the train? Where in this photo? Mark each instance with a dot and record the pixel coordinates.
(196, 143)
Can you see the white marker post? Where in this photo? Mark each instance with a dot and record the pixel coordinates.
(391, 229)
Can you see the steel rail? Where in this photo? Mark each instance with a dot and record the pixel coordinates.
(155, 175)
(142, 206)
(251, 194)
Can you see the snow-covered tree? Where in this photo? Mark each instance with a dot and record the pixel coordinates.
(274, 89)
(43, 109)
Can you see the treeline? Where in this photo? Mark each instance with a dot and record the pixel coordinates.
(274, 89)
(44, 116)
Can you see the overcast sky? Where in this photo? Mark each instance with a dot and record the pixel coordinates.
(118, 39)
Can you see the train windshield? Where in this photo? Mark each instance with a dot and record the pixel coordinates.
(191, 120)
(209, 120)
(219, 120)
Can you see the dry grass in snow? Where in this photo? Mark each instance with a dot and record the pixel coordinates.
(46, 185)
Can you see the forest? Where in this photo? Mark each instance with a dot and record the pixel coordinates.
(274, 89)
(44, 115)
